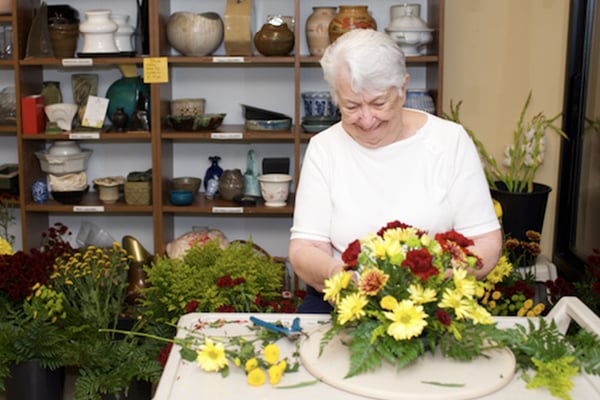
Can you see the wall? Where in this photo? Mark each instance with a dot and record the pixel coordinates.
(495, 53)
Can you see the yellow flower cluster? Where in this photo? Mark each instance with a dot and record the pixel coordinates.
(5, 247)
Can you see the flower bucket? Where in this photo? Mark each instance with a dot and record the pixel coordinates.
(30, 381)
(522, 211)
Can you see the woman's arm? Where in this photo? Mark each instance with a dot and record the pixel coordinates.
(489, 247)
(313, 261)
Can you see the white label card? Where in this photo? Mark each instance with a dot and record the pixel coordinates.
(228, 59)
(226, 136)
(77, 62)
(228, 210)
(84, 135)
(88, 208)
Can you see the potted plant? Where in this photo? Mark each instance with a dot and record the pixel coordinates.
(522, 199)
(29, 343)
(85, 296)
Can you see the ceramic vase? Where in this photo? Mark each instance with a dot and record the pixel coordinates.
(64, 38)
(51, 92)
(419, 99)
(194, 34)
(231, 184)
(98, 32)
(29, 380)
(124, 93)
(124, 33)
(274, 40)
(213, 172)
(349, 18)
(317, 29)
(119, 120)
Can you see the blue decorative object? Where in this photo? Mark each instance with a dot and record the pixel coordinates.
(419, 99)
(39, 191)
(213, 171)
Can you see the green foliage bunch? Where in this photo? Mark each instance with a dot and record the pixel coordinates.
(174, 284)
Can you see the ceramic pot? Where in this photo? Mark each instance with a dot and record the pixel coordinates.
(231, 184)
(408, 30)
(124, 33)
(275, 189)
(317, 29)
(119, 120)
(29, 380)
(194, 34)
(124, 93)
(274, 40)
(98, 32)
(51, 92)
(349, 18)
(64, 38)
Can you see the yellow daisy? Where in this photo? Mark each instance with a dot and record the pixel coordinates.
(335, 284)
(251, 364)
(256, 377)
(271, 353)
(388, 302)
(211, 357)
(275, 374)
(454, 299)
(352, 308)
(408, 320)
(421, 295)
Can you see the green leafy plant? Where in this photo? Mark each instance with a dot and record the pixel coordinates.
(522, 157)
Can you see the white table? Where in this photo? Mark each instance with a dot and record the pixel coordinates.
(185, 380)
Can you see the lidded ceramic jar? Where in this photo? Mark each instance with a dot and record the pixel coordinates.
(98, 32)
(349, 18)
(408, 30)
(194, 34)
(124, 33)
(231, 184)
(317, 29)
(274, 39)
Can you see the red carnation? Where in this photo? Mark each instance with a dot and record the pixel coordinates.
(443, 317)
(350, 255)
(455, 237)
(191, 306)
(420, 264)
(225, 281)
(226, 308)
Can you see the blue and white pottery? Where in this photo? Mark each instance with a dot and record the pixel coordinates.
(318, 104)
(419, 99)
(39, 191)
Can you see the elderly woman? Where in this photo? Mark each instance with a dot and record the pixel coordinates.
(381, 163)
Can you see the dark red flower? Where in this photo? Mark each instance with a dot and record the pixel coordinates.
(455, 237)
(225, 281)
(443, 317)
(392, 225)
(420, 263)
(299, 293)
(350, 255)
(238, 281)
(191, 306)
(226, 308)
(163, 355)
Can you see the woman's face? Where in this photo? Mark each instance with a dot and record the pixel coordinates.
(372, 118)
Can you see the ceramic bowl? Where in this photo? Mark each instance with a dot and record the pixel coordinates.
(251, 112)
(188, 107)
(181, 197)
(194, 34)
(59, 165)
(268, 124)
(275, 189)
(64, 148)
(327, 120)
(186, 183)
(314, 128)
(203, 122)
(69, 196)
(318, 104)
(62, 114)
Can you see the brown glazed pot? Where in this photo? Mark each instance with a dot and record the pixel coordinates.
(231, 184)
(349, 18)
(274, 40)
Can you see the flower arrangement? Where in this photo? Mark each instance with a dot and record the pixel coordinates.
(522, 157)
(507, 292)
(404, 293)
(411, 293)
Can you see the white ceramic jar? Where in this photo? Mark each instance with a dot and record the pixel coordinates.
(194, 34)
(408, 30)
(98, 32)
(124, 33)
(64, 148)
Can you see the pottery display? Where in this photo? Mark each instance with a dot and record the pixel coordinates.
(67, 164)
(349, 18)
(125, 93)
(98, 32)
(119, 120)
(274, 40)
(188, 107)
(62, 114)
(213, 172)
(8, 105)
(190, 183)
(317, 29)
(124, 33)
(318, 104)
(38, 38)
(275, 189)
(400, 10)
(64, 148)
(408, 30)
(251, 184)
(194, 34)
(231, 184)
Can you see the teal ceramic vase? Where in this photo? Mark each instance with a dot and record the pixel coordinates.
(124, 92)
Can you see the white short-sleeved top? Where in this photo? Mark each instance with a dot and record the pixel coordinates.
(432, 180)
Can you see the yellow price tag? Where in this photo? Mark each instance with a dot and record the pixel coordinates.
(155, 70)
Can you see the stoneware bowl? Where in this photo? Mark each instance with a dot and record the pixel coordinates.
(275, 189)
(194, 34)
(268, 124)
(190, 183)
(64, 148)
(181, 197)
(188, 107)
